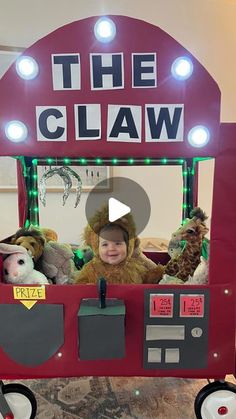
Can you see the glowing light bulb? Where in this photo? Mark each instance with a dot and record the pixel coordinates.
(16, 131)
(105, 29)
(198, 136)
(182, 68)
(27, 68)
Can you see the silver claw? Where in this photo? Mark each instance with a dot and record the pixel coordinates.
(78, 188)
(49, 173)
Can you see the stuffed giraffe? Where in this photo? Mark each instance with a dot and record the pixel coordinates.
(193, 232)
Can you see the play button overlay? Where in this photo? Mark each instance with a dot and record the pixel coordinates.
(116, 209)
(122, 196)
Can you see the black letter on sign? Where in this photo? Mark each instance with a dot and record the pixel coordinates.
(82, 118)
(99, 70)
(66, 61)
(43, 124)
(164, 117)
(139, 70)
(124, 113)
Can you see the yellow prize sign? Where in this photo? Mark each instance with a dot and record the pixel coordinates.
(29, 295)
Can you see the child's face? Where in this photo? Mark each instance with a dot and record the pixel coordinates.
(112, 247)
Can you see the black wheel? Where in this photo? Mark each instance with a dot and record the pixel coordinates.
(21, 400)
(216, 400)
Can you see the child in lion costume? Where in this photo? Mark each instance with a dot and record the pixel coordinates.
(117, 256)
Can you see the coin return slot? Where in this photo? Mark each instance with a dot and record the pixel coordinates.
(172, 355)
(154, 354)
(164, 332)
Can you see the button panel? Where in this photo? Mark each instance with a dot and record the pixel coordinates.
(176, 328)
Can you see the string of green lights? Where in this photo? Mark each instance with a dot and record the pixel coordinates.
(31, 177)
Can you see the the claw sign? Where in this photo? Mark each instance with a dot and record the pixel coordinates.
(163, 122)
(116, 99)
(124, 122)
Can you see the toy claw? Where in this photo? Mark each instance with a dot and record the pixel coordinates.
(49, 173)
(65, 173)
(67, 182)
(78, 188)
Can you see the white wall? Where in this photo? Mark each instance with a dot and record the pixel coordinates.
(8, 200)
(9, 214)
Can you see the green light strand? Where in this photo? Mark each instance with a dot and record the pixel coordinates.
(66, 161)
(49, 161)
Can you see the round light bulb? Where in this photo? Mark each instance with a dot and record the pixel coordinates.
(16, 131)
(105, 29)
(198, 136)
(182, 68)
(27, 68)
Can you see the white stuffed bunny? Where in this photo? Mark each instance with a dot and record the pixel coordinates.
(18, 266)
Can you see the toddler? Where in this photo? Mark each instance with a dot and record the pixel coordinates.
(113, 246)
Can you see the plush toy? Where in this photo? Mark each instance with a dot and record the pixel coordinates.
(49, 234)
(82, 255)
(18, 266)
(185, 248)
(31, 239)
(57, 262)
(192, 232)
(168, 279)
(131, 270)
(139, 255)
(53, 259)
(200, 275)
(175, 247)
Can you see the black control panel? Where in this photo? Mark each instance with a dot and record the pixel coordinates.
(176, 328)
